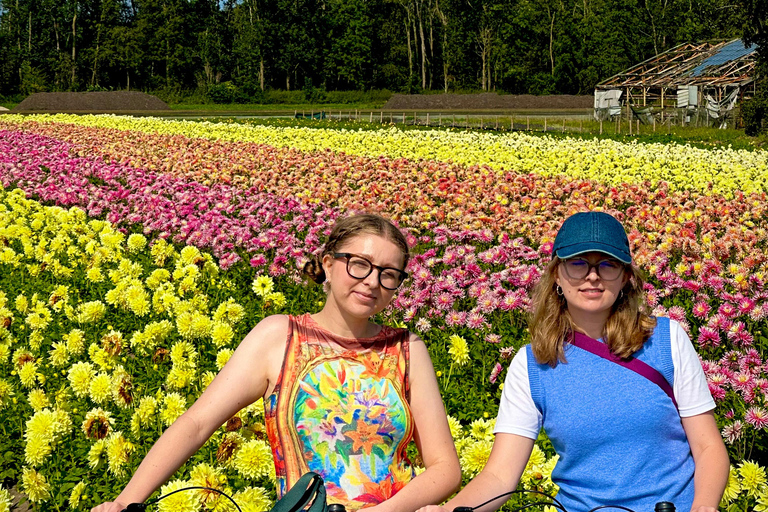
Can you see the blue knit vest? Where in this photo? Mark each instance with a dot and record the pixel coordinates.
(618, 434)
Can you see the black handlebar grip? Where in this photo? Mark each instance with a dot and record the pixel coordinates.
(463, 509)
(664, 506)
(135, 507)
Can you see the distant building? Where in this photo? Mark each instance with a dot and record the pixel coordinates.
(702, 82)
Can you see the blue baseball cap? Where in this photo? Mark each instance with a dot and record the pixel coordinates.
(592, 232)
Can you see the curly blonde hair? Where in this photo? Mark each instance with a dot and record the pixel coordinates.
(628, 327)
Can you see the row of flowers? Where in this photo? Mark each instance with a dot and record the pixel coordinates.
(419, 194)
(722, 171)
(705, 256)
(176, 200)
(475, 283)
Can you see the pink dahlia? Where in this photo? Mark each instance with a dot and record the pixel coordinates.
(757, 417)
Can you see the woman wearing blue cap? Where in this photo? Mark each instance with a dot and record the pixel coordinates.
(621, 394)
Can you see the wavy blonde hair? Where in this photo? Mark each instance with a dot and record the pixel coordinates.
(628, 327)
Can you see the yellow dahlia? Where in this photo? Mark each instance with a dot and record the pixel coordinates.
(35, 485)
(80, 376)
(254, 459)
(119, 451)
(184, 501)
(459, 349)
(38, 400)
(101, 388)
(76, 495)
(174, 406)
(474, 456)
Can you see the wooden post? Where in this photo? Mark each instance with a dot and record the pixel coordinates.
(481, 122)
(403, 117)
(545, 124)
(629, 113)
(528, 123)
(427, 118)
(662, 105)
(511, 123)
(497, 122)
(601, 127)
(654, 124)
(453, 121)
(581, 125)
(440, 120)
(370, 120)
(381, 117)
(563, 125)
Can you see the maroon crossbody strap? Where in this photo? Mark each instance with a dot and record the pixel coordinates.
(599, 349)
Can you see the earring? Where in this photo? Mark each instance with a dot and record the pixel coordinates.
(559, 290)
(621, 294)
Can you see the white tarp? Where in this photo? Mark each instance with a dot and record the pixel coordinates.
(607, 104)
(722, 109)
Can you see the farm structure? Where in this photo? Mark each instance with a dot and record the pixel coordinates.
(692, 79)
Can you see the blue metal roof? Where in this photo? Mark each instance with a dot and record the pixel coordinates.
(732, 51)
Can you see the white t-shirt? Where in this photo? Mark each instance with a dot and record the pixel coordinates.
(518, 413)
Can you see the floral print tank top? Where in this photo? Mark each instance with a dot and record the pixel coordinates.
(340, 409)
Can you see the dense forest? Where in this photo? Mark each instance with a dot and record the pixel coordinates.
(248, 46)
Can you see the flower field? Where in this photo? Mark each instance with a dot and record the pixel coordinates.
(136, 253)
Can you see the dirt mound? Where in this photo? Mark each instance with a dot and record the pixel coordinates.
(486, 101)
(112, 101)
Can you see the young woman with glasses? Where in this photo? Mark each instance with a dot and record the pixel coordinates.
(343, 396)
(620, 394)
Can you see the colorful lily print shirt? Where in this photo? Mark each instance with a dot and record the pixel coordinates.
(340, 409)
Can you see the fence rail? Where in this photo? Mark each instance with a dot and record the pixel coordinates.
(554, 123)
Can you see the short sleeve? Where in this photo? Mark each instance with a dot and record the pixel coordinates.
(517, 411)
(690, 386)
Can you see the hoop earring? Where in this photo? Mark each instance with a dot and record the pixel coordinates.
(559, 290)
(621, 294)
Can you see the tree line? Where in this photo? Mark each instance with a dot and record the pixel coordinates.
(249, 46)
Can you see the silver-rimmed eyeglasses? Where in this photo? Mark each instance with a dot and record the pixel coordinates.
(579, 268)
(359, 267)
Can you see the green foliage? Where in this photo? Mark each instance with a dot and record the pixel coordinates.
(537, 46)
(754, 115)
(32, 80)
(225, 92)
